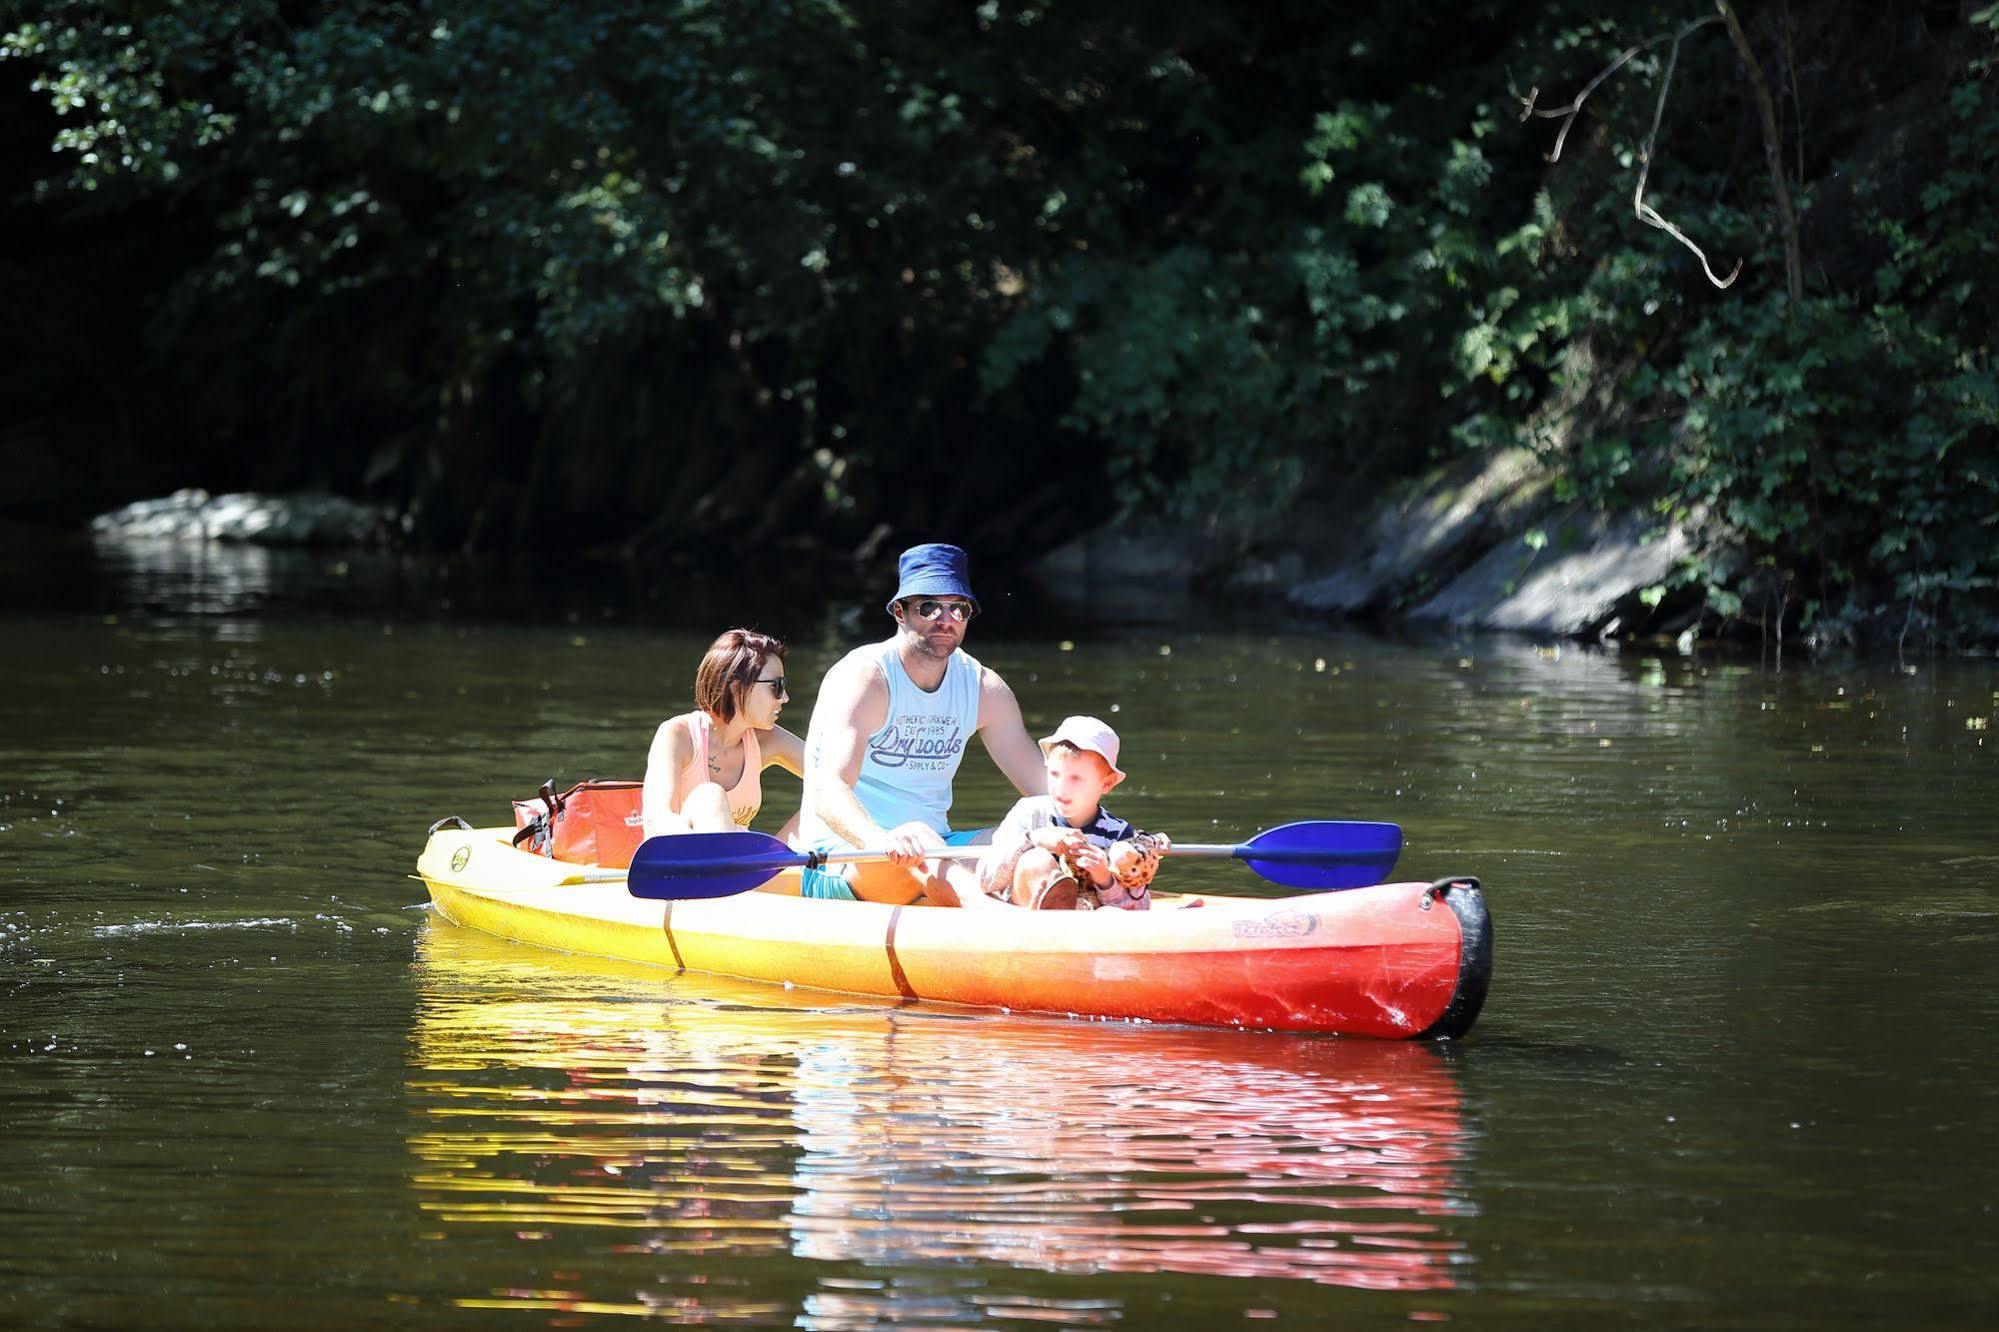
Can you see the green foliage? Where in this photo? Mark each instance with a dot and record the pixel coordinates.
(1846, 445)
(1857, 444)
(588, 230)
(541, 270)
(1853, 443)
(1173, 368)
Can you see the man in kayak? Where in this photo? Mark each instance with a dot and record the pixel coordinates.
(888, 731)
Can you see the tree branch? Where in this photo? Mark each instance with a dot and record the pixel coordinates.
(1529, 111)
(1646, 213)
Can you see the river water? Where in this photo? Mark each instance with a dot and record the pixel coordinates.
(1736, 1069)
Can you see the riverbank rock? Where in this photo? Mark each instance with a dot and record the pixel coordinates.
(1479, 543)
(1426, 531)
(308, 519)
(1575, 581)
(1123, 575)
(1483, 544)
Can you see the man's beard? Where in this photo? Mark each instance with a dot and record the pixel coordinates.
(929, 649)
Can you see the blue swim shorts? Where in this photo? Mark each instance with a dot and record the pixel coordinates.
(831, 882)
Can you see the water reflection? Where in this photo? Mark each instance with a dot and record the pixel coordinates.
(206, 577)
(177, 577)
(610, 1110)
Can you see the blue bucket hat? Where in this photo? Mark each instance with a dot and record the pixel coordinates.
(932, 570)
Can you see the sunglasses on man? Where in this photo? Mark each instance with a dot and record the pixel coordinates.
(930, 609)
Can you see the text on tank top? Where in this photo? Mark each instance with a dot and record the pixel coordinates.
(908, 765)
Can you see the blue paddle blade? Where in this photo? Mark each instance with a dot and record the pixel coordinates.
(686, 866)
(1324, 854)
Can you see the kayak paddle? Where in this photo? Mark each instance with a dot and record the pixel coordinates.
(1320, 854)
(682, 866)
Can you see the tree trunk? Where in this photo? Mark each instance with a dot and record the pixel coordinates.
(1773, 154)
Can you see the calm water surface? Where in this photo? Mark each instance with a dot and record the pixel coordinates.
(1736, 1069)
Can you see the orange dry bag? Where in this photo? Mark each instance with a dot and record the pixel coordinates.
(592, 823)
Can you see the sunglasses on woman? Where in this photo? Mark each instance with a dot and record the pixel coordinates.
(778, 688)
(960, 611)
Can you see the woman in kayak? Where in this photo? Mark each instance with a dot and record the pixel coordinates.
(703, 774)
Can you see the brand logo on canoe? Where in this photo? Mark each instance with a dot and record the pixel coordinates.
(460, 857)
(928, 744)
(1276, 925)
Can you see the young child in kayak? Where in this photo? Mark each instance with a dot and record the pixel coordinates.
(1064, 850)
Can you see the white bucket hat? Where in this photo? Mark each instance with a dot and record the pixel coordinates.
(1090, 734)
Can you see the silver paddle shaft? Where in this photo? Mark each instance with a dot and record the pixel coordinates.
(814, 859)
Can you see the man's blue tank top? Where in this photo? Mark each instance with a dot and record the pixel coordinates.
(908, 765)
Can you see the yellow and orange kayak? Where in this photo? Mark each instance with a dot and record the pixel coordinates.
(1396, 960)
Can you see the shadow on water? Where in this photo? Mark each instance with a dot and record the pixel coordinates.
(46, 572)
(166, 577)
(797, 598)
(638, 1127)
(1494, 1052)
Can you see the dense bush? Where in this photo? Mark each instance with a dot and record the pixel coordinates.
(1846, 442)
(791, 274)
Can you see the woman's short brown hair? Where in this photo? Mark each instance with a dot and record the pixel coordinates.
(734, 661)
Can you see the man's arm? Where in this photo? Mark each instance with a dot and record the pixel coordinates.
(1005, 734)
(852, 704)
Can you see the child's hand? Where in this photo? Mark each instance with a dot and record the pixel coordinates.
(1057, 841)
(1091, 862)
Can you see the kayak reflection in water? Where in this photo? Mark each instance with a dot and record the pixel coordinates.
(583, 1116)
(888, 732)
(1064, 850)
(1275, 1158)
(703, 774)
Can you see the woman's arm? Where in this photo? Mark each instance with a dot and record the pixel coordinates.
(672, 750)
(783, 749)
